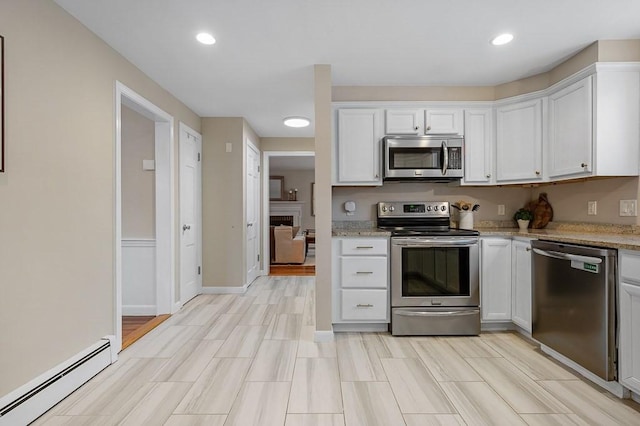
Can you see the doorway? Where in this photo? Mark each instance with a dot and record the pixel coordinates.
(292, 205)
(163, 259)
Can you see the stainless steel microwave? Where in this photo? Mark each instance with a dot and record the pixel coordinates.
(423, 158)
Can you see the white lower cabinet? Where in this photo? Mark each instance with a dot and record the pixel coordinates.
(495, 279)
(360, 280)
(629, 345)
(521, 283)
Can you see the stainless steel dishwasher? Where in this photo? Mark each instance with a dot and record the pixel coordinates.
(574, 303)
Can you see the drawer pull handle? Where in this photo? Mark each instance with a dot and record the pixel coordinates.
(364, 247)
(364, 272)
(360, 305)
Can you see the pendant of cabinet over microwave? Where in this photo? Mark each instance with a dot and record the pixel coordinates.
(586, 125)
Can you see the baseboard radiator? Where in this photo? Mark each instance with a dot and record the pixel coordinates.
(30, 401)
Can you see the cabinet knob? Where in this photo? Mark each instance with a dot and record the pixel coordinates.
(528, 249)
(488, 176)
(428, 128)
(537, 172)
(377, 176)
(583, 165)
(416, 128)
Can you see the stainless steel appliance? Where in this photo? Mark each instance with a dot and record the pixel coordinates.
(434, 270)
(423, 158)
(574, 303)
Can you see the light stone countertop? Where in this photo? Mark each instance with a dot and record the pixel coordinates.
(599, 237)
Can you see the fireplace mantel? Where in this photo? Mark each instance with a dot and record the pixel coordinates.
(287, 208)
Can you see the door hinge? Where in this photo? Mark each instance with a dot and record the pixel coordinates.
(258, 169)
(198, 156)
(198, 270)
(258, 258)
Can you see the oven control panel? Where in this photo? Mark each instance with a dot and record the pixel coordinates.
(413, 209)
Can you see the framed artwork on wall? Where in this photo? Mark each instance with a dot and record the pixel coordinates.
(276, 188)
(1, 104)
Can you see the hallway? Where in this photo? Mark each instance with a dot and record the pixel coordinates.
(251, 360)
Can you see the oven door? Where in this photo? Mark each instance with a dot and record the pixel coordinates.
(434, 271)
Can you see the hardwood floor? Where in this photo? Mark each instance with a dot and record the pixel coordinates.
(251, 360)
(293, 270)
(134, 327)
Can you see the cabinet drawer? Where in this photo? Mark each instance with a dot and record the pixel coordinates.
(364, 246)
(630, 267)
(365, 271)
(364, 305)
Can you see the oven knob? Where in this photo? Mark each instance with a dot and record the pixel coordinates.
(428, 208)
(443, 208)
(384, 208)
(391, 208)
(435, 208)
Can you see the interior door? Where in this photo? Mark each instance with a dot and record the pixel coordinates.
(190, 214)
(253, 212)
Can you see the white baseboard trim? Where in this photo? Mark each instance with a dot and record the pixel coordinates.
(176, 307)
(498, 326)
(361, 328)
(614, 387)
(635, 397)
(320, 336)
(30, 401)
(225, 290)
(139, 310)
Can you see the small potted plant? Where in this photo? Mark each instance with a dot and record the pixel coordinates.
(523, 216)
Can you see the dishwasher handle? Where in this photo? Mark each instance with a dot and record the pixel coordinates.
(568, 256)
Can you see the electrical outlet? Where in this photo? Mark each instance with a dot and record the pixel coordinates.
(628, 207)
(592, 208)
(228, 146)
(501, 210)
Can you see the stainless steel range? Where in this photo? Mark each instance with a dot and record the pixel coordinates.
(434, 270)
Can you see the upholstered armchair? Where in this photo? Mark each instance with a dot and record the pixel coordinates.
(289, 246)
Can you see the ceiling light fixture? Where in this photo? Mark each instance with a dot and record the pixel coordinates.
(296, 121)
(205, 38)
(502, 39)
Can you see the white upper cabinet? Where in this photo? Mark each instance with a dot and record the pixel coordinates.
(478, 147)
(571, 130)
(519, 142)
(404, 121)
(358, 147)
(443, 121)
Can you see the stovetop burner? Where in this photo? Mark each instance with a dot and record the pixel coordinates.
(418, 218)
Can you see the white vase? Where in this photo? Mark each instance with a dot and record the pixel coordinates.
(523, 225)
(466, 220)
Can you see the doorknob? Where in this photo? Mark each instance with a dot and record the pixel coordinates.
(185, 227)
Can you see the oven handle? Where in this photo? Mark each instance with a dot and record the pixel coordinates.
(437, 313)
(437, 243)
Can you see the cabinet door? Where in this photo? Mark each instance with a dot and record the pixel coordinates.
(519, 142)
(630, 336)
(442, 121)
(403, 122)
(359, 134)
(495, 279)
(571, 131)
(478, 146)
(521, 284)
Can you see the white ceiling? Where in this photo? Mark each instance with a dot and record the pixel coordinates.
(261, 67)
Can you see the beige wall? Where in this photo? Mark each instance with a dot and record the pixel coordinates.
(223, 200)
(489, 198)
(322, 99)
(300, 180)
(138, 185)
(57, 215)
(288, 144)
(569, 200)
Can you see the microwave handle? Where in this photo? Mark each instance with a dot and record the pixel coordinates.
(445, 158)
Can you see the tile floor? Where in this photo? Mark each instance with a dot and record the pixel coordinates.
(251, 360)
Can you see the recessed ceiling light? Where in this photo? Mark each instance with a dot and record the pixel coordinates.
(205, 38)
(296, 121)
(502, 39)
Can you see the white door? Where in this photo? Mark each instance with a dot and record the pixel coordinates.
(190, 214)
(253, 212)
